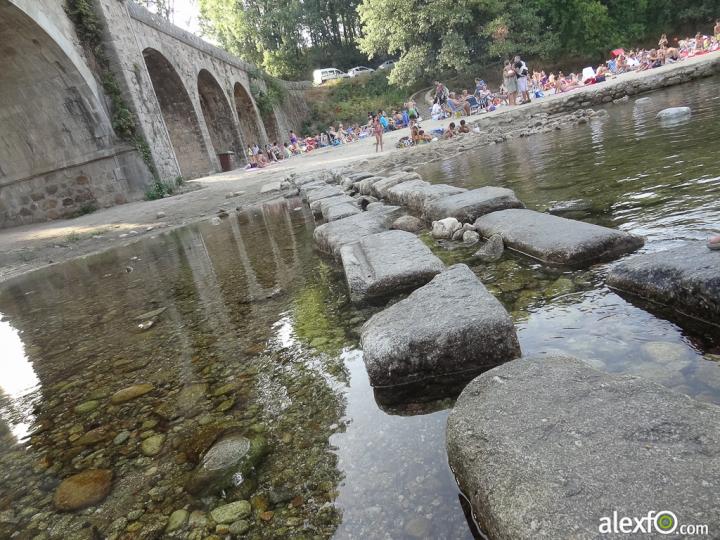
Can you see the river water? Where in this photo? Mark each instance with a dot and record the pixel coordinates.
(257, 335)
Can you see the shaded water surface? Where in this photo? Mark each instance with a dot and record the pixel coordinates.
(257, 336)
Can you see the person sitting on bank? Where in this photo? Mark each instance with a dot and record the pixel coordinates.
(456, 104)
(450, 131)
(464, 128)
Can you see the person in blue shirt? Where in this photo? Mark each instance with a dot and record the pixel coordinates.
(383, 121)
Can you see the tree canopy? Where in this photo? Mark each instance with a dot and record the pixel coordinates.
(289, 38)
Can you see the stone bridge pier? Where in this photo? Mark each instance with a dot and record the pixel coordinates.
(59, 153)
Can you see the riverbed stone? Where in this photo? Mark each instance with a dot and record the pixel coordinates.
(131, 392)
(470, 205)
(492, 250)
(153, 445)
(557, 240)
(409, 224)
(177, 520)
(228, 513)
(415, 194)
(387, 263)
(365, 185)
(83, 489)
(451, 325)
(546, 447)
(686, 279)
(232, 455)
(330, 237)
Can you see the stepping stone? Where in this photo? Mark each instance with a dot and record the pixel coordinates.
(365, 186)
(320, 205)
(556, 240)
(452, 325)
(685, 279)
(340, 211)
(324, 192)
(549, 447)
(356, 177)
(330, 237)
(379, 189)
(387, 263)
(415, 194)
(270, 186)
(467, 206)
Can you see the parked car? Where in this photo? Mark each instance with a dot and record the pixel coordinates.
(328, 74)
(387, 64)
(360, 70)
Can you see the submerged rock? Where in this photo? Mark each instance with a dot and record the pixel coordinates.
(674, 113)
(226, 463)
(685, 279)
(549, 447)
(83, 489)
(451, 325)
(492, 250)
(387, 263)
(569, 207)
(231, 512)
(556, 240)
(131, 392)
(445, 228)
(470, 237)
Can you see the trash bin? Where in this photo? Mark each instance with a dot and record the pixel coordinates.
(227, 161)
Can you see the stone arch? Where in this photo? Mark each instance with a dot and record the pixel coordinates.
(56, 140)
(272, 128)
(247, 116)
(218, 115)
(179, 114)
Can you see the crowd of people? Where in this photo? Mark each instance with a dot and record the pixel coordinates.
(519, 86)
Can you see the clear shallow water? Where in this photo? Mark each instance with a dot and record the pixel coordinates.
(258, 336)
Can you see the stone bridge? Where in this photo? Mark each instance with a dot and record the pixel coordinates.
(59, 153)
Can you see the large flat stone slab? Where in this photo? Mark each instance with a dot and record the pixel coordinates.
(365, 185)
(467, 206)
(387, 263)
(313, 195)
(545, 448)
(379, 189)
(556, 240)
(452, 325)
(330, 237)
(685, 279)
(321, 205)
(340, 211)
(414, 194)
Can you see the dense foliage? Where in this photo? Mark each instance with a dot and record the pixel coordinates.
(289, 38)
(349, 100)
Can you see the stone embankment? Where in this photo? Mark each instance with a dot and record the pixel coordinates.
(551, 448)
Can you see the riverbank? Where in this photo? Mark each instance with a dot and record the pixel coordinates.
(24, 249)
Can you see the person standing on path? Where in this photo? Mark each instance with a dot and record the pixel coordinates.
(510, 82)
(378, 131)
(522, 79)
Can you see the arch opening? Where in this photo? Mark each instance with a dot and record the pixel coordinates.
(59, 155)
(272, 127)
(179, 116)
(249, 127)
(218, 116)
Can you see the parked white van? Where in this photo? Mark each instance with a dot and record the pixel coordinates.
(327, 74)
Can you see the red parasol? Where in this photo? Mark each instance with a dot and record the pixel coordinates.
(617, 52)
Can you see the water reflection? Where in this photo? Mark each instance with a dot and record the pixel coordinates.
(17, 382)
